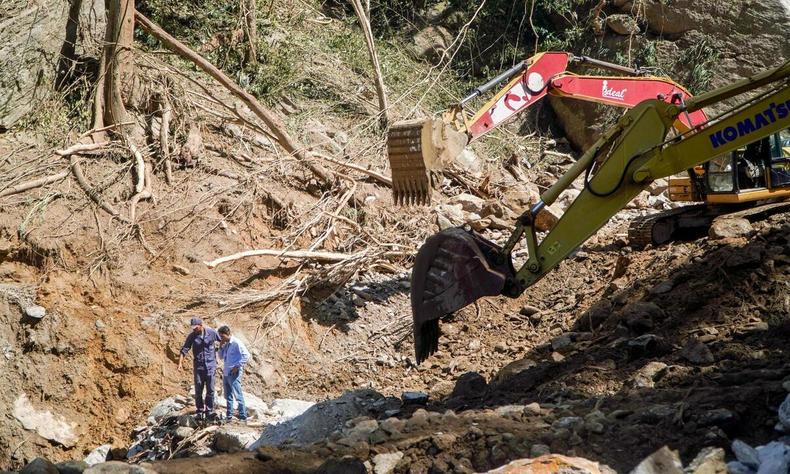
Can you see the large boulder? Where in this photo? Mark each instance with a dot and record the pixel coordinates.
(166, 407)
(622, 24)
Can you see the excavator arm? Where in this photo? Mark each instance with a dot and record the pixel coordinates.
(546, 74)
(418, 146)
(456, 267)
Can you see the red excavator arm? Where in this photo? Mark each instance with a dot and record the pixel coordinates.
(414, 147)
(547, 73)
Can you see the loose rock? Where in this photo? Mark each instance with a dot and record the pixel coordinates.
(697, 353)
(98, 455)
(385, 463)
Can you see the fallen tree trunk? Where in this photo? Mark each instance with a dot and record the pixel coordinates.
(270, 119)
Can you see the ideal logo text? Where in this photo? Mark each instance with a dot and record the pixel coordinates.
(611, 93)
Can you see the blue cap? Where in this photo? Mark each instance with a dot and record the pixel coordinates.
(195, 322)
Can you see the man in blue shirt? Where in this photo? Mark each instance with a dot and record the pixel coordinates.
(234, 356)
(202, 340)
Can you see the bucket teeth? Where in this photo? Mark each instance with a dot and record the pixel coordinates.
(410, 178)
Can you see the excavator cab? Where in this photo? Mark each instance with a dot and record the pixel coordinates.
(756, 172)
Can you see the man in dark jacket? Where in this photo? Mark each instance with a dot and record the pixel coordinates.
(202, 340)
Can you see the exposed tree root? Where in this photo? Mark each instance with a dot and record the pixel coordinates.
(81, 148)
(165, 112)
(295, 254)
(76, 169)
(145, 193)
(36, 183)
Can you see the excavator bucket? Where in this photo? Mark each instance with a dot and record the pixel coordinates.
(414, 148)
(453, 269)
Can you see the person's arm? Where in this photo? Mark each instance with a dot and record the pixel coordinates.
(185, 348)
(245, 355)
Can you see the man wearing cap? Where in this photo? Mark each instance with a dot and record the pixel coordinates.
(202, 341)
(234, 356)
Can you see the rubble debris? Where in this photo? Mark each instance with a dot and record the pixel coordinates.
(663, 461)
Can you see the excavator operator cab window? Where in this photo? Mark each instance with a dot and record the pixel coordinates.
(719, 173)
(779, 175)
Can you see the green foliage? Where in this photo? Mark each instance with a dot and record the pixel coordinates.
(504, 31)
(349, 44)
(388, 17)
(701, 56)
(215, 30)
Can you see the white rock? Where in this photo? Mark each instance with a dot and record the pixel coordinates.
(49, 426)
(166, 407)
(98, 455)
(663, 461)
(256, 408)
(35, 311)
(730, 227)
(452, 213)
(469, 161)
(385, 463)
(290, 408)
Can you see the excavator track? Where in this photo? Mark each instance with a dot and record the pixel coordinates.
(692, 221)
(656, 229)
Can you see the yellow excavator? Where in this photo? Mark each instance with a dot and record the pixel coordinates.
(457, 266)
(734, 182)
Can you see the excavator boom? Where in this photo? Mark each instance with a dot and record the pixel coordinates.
(621, 164)
(417, 147)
